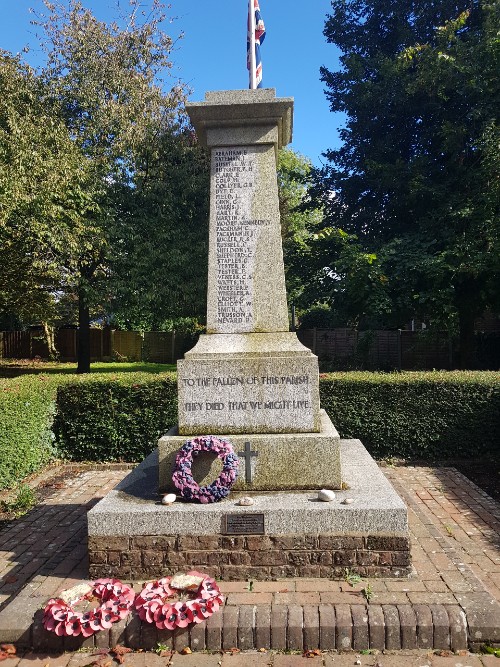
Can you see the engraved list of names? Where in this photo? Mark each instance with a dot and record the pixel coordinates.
(237, 234)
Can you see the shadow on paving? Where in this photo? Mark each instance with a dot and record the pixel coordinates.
(49, 541)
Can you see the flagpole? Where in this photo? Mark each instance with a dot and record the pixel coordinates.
(251, 23)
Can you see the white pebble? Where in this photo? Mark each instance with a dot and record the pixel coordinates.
(347, 501)
(169, 499)
(326, 495)
(246, 500)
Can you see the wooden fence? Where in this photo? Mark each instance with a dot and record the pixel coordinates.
(337, 349)
(105, 345)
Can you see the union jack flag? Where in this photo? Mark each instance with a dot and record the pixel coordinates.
(260, 33)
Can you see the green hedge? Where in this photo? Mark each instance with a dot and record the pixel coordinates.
(26, 441)
(417, 415)
(117, 419)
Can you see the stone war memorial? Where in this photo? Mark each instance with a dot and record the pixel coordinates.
(304, 502)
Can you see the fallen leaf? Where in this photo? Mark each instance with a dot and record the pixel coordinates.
(313, 653)
(186, 651)
(119, 652)
(233, 650)
(8, 648)
(263, 650)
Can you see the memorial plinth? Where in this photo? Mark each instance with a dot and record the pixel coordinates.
(250, 381)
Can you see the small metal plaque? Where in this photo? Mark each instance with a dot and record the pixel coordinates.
(243, 524)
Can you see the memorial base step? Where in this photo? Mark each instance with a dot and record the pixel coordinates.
(283, 534)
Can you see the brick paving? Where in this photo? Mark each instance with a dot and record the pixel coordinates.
(455, 550)
(253, 659)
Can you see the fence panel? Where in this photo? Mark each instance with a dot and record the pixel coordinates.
(425, 351)
(159, 347)
(96, 344)
(16, 345)
(65, 340)
(127, 344)
(39, 347)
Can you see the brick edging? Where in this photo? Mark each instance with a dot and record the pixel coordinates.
(293, 627)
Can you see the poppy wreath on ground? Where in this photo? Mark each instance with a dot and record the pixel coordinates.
(169, 607)
(183, 478)
(116, 600)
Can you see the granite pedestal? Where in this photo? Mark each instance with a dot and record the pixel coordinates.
(133, 536)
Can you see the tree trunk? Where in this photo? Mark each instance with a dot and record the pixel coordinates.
(466, 318)
(470, 305)
(83, 333)
(49, 333)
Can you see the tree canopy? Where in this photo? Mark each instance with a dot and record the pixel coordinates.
(97, 146)
(414, 187)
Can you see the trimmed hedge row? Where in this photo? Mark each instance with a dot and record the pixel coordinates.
(117, 419)
(417, 415)
(27, 406)
(98, 417)
(428, 415)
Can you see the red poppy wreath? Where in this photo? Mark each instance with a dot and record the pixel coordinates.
(176, 602)
(116, 600)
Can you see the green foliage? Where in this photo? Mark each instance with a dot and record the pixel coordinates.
(297, 221)
(158, 270)
(416, 415)
(21, 503)
(28, 405)
(114, 419)
(26, 441)
(92, 147)
(415, 183)
(42, 195)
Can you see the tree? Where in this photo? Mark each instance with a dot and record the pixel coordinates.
(43, 186)
(105, 82)
(298, 217)
(158, 272)
(415, 181)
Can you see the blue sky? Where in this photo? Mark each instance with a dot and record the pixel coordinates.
(212, 54)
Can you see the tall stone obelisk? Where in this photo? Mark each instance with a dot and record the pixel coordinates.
(249, 375)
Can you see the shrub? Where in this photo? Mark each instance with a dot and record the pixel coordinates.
(26, 440)
(119, 417)
(114, 419)
(417, 415)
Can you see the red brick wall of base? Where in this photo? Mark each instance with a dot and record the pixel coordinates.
(258, 557)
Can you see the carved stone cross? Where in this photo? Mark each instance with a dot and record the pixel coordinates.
(247, 455)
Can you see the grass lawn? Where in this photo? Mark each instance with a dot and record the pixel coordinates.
(14, 367)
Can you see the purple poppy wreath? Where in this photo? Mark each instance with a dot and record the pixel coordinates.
(182, 476)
